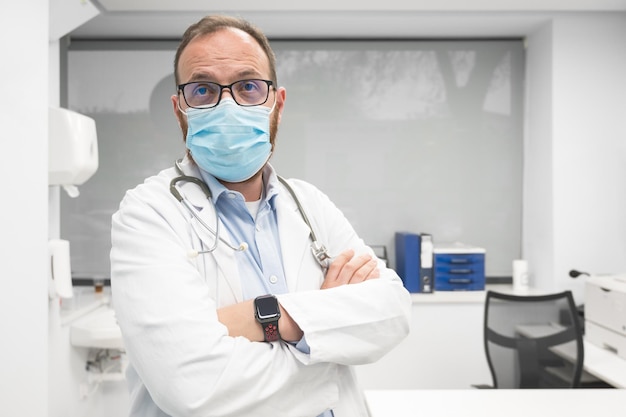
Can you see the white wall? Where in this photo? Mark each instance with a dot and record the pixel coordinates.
(70, 392)
(575, 172)
(589, 145)
(24, 210)
(537, 213)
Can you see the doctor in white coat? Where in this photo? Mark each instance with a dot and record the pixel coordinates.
(250, 323)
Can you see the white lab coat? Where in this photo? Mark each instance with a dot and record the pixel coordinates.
(182, 361)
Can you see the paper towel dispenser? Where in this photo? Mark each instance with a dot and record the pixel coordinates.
(72, 149)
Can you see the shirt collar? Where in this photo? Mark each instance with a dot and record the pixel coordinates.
(270, 185)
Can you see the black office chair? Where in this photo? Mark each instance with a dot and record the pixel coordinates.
(533, 341)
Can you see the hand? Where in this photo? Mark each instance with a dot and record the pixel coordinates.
(347, 268)
(240, 321)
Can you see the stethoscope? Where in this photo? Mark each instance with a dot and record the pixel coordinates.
(319, 250)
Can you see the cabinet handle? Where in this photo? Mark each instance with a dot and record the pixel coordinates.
(461, 271)
(460, 281)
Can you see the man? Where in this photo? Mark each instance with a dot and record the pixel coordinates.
(223, 308)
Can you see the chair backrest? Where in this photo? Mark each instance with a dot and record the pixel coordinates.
(533, 341)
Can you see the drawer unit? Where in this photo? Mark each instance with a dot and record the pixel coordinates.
(459, 268)
(605, 312)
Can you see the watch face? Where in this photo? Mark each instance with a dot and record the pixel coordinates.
(267, 307)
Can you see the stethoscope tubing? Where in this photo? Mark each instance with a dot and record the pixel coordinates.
(319, 250)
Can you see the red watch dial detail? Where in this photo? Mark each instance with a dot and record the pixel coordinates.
(271, 333)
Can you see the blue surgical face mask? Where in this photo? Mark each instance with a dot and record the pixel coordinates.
(229, 141)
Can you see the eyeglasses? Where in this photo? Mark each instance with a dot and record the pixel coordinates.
(205, 94)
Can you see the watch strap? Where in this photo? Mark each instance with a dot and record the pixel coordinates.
(270, 331)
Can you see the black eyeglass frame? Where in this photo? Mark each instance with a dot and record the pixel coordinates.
(181, 90)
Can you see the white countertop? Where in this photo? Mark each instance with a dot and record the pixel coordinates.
(468, 296)
(84, 301)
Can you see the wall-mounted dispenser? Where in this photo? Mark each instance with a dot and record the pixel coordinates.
(59, 269)
(72, 149)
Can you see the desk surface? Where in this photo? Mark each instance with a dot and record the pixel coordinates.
(601, 363)
(605, 365)
(496, 402)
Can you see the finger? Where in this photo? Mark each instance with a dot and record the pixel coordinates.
(339, 262)
(330, 280)
(367, 271)
(375, 274)
(351, 267)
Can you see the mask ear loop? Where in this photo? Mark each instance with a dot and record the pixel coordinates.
(273, 105)
(178, 94)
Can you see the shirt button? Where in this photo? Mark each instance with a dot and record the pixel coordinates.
(232, 195)
(273, 279)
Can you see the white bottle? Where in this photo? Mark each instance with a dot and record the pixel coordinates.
(520, 275)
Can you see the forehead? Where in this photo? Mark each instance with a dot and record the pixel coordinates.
(223, 56)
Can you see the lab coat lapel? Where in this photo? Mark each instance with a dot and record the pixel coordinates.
(223, 256)
(294, 237)
(226, 262)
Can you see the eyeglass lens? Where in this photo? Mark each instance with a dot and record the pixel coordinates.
(207, 94)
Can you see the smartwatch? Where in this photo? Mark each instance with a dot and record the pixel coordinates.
(267, 313)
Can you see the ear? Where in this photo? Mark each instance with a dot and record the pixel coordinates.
(177, 113)
(181, 118)
(281, 97)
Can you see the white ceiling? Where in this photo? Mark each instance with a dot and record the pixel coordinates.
(357, 5)
(167, 19)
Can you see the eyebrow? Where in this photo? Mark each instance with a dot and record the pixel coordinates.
(249, 73)
(200, 76)
(242, 75)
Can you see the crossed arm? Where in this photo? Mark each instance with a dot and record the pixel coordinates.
(345, 269)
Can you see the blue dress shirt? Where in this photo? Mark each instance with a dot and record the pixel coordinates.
(261, 265)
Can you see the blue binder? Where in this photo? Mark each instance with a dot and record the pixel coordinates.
(414, 261)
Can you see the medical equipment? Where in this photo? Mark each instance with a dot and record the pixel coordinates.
(205, 189)
(318, 250)
(72, 149)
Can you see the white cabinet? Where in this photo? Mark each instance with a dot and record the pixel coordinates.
(443, 351)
